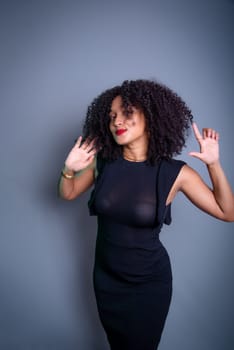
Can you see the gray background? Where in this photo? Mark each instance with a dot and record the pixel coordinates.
(56, 56)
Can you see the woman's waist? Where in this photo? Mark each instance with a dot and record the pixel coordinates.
(136, 263)
(119, 234)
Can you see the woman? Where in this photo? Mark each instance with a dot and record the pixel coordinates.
(131, 134)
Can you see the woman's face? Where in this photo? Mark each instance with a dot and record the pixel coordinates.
(127, 128)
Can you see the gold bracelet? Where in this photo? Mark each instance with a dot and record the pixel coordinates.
(67, 176)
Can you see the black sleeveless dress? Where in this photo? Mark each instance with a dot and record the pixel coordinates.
(132, 272)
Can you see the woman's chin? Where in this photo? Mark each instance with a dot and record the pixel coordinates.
(121, 142)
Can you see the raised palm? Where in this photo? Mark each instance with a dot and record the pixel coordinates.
(81, 155)
(209, 145)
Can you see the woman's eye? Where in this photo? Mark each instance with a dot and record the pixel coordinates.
(129, 113)
(112, 117)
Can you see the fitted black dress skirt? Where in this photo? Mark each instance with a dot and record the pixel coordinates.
(132, 272)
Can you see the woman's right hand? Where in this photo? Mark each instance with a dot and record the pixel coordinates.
(80, 156)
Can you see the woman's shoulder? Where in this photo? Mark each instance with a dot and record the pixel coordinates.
(168, 165)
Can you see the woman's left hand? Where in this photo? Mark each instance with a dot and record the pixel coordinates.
(209, 145)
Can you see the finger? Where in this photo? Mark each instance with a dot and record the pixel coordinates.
(78, 142)
(213, 134)
(206, 132)
(91, 156)
(196, 131)
(196, 155)
(92, 153)
(89, 160)
(90, 146)
(209, 133)
(84, 145)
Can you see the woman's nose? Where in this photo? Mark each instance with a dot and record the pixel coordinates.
(119, 119)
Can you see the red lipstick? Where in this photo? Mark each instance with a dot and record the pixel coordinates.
(120, 132)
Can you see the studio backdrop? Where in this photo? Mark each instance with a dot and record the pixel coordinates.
(56, 56)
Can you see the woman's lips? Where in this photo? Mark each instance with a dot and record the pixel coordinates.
(120, 132)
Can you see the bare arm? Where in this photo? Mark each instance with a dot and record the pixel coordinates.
(218, 201)
(78, 174)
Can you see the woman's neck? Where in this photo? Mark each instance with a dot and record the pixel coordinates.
(135, 154)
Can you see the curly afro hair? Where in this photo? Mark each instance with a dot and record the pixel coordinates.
(168, 119)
